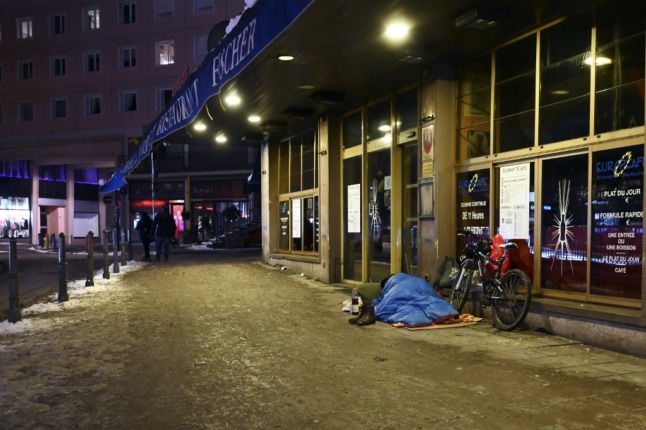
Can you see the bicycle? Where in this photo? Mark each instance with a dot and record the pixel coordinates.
(509, 296)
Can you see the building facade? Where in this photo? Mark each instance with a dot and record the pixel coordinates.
(80, 82)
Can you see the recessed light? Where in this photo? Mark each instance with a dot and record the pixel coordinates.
(285, 57)
(306, 87)
(220, 138)
(397, 31)
(254, 119)
(384, 128)
(199, 126)
(232, 100)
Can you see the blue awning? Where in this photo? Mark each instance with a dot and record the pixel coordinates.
(257, 28)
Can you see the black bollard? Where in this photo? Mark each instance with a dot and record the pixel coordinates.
(14, 299)
(129, 239)
(89, 281)
(62, 270)
(106, 257)
(115, 251)
(124, 261)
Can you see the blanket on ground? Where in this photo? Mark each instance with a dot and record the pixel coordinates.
(411, 301)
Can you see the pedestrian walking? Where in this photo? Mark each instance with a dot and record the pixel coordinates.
(145, 233)
(164, 229)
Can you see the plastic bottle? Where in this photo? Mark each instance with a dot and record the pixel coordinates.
(354, 302)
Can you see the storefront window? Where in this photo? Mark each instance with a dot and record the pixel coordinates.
(407, 115)
(298, 208)
(352, 130)
(379, 207)
(515, 96)
(617, 222)
(379, 127)
(564, 104)
(409, 197)
(352, 219)
(473, 202)
(474, 104)
(619, 62)
(565, 230)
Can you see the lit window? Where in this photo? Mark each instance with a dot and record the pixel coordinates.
(164, 9)
(127, 13)
(59, 108)
(165, 52)
(129, 101)
(26, 70)
(26, 111)
(25, 28)
(57, 24)
(92, 61)
(128, 57)
(93, 104)
(91, 19)
(58, 66)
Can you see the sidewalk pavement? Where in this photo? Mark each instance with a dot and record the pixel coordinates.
(221, 340)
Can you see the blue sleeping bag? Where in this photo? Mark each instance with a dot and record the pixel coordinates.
(412, 301)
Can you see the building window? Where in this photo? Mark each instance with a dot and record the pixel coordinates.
(57, 24)
(164, 96)
(26, 70)
(58, 66)
(298, 182)
(26, 111)
(92, 61)
(204, 6)
(128, 57)
(164, 9)
(92, 104)
(127, 13)
(59, 108)
(129, 101)
(201, 48)
(474, 108)
(165, 52)
(25, 28)
(91, 18)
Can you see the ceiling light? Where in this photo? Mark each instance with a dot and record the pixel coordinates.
(199, 126)
(254, 119)
(599, 61)
(220, 138)
(306, 87)
(232, 100)
(384, 128)
(285, 57)
(397, 31)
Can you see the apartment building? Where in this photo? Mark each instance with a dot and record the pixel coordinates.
(80, 82)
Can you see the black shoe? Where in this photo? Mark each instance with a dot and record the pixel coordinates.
(369, 317)
(356, 319)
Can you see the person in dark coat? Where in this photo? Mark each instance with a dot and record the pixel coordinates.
(145, 229)
(164, 229)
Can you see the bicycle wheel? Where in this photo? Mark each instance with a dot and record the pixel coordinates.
(511, 299)
(460, 289)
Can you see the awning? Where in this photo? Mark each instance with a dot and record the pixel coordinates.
(256, 29)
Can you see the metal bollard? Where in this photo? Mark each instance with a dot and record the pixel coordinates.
(89, 281)
(115, 251)
(124, 261)
(62, 270)
(106, 258)
(14, 299)
(54, 248)
(129, 239)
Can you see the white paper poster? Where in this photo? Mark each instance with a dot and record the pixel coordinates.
(296, 218)
(514, 201)
(354, 208)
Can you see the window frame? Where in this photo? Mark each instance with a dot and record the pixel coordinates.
(22, 104)
(131, 52)
(90, 99)
(203, 7)
(20, 28)
(58, 66)
(91, 23)
(167, 9)
(57, 24)
(25, 70)
(93, 57)
(54, 108)
(169, 45)
(127, 12)
(124, 99)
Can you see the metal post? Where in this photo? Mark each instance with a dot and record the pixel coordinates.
(62, 270)
(106, 257)
(129, 239)
(124, 262)
(14, 299)
(89, 281)
(115, 251)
